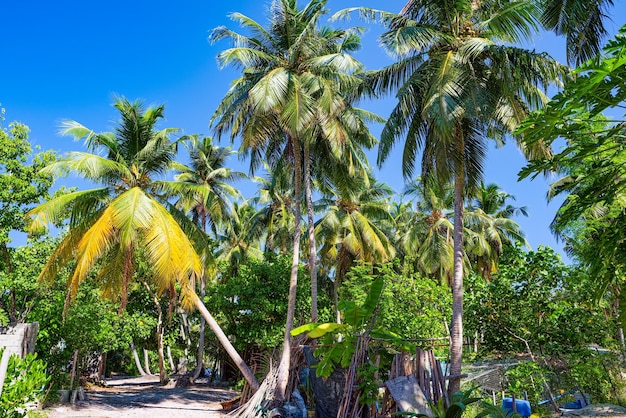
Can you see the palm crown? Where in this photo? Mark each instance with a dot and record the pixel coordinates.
(109, 224)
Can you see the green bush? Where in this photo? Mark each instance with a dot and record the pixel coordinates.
(596, 373)
(24, 384)
(528, 377)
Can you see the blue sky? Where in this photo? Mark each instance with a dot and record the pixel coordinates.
(67, 59)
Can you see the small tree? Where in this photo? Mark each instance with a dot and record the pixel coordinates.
(22, 185)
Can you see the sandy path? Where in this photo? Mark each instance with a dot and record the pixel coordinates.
(143, 397)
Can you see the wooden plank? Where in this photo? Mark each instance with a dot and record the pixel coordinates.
(408, 395)
(434, 377)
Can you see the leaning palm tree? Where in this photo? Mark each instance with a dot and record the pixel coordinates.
(292, 73)
(109, 224)
(460, 82)
(203, 190)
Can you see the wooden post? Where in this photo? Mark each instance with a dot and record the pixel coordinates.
(73, 375)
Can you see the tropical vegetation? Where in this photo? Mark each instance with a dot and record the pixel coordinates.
(125, 265)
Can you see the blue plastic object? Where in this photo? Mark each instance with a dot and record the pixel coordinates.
(522, 406)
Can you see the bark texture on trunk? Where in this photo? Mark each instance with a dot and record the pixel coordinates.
(311, 226)
(102, 366)
(160, 330)
(146, 361)
(200, 353)
(228, 347)
(282, 377)
(171, 360)
(456, 331)
(137, 361)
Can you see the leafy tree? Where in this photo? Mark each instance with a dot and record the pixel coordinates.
(108, 224)
(203, 186)
(349, 230)
(24, 382)
(417, 306)
(460, 82)
(239, 240)
(22, 186)
(592, 163)
(535, 304)
(254, 302)
(428, 230)
(491, 227)
(276, 213)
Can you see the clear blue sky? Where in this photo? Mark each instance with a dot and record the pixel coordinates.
(66, 60)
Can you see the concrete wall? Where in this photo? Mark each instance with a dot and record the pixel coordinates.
(20, 338)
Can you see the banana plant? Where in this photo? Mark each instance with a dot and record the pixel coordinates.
(338, 341)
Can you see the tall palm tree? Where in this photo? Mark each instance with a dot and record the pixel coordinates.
(429, 231)
(460, 81)
(494, 201)
(203, 187)
(204, 191)
(293, 72)
(110, 223)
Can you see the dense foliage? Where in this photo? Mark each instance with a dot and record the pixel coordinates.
(382, 274)
(537, 303)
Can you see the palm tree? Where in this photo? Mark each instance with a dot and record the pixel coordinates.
(239, 240)
(275, 201)
(492, 200)
(203, 186)
(460, 81)
(490, 228)
(204, 191)
(293, 73)
(109, 224)
(582, 23)
(349, 230)
(429, 230)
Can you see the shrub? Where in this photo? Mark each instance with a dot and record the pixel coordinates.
(24, 384)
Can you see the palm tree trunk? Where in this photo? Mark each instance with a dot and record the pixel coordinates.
(146, 361)
(312, 242)
(235, 357)
(160, 329)
(136, 357)
(171, 360)
(456, 332)
(282, 376)
(200, 354)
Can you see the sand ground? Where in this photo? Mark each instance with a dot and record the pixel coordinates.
(143, 397)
